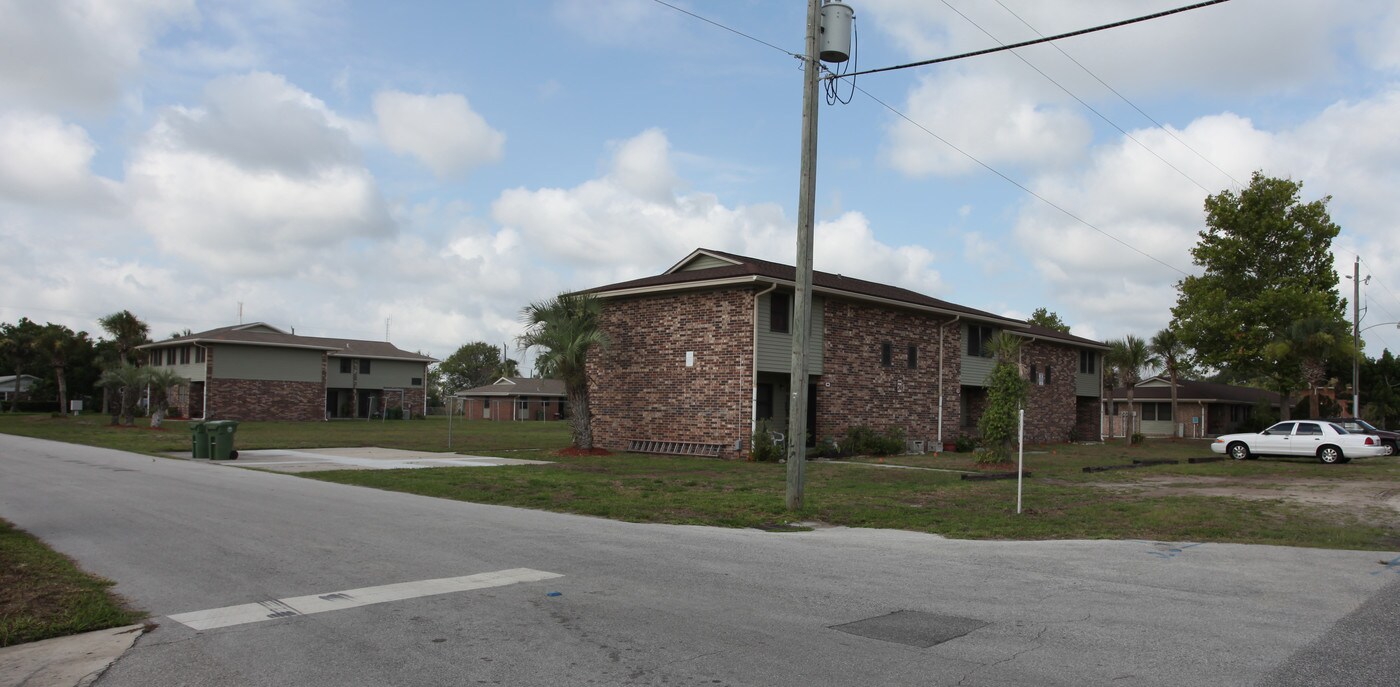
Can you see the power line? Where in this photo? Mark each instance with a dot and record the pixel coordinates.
(1037, 41)
(1125, 99)
(969, 156)
(1017, 184)
(1382, 285)
(731, 30)
(1086, 105)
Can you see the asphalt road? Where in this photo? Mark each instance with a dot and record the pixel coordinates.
(653, 605)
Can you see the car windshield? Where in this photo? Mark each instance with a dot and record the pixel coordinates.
(1365, 425)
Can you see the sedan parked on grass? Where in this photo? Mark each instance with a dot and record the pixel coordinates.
(1391, 440)
(1328, 441)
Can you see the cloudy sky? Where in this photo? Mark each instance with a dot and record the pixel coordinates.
(340, 167)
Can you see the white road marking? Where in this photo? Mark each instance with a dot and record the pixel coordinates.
(351, 598)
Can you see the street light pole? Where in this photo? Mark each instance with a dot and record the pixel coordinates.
(802, 300)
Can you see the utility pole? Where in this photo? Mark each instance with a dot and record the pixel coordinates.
(1356, 338)
(802, 301)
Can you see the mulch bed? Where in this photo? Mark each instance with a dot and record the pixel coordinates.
(576, 451)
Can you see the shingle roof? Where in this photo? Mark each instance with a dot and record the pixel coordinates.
(260, 334)
(517, 386)
(1192, 391)
(754, 269)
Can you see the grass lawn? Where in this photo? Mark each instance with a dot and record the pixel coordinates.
(43, 595)
(487, 438)
(1182, 502)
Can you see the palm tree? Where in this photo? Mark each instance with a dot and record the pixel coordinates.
(17, 347)
(566, 328)
(1168, 349)
(1314, 341)
(125, 381)
(127, 330)
(58, 345)
(161, 380)
(1129, 355)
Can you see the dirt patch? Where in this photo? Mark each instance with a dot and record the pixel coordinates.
(576, 451)
(1354, 497)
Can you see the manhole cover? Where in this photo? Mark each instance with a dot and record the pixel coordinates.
(912, 628)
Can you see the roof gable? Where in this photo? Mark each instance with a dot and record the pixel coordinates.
(702, 259)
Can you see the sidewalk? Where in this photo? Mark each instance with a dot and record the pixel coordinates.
(74, 661)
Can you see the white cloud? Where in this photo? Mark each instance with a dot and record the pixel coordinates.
(259, 180)
(77, 53)
(442, 131)
(633, 222)
(1010, 127)
(1159, 212)
(44, 160)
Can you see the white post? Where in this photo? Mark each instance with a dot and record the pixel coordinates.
(1020, 455)
(451, 410)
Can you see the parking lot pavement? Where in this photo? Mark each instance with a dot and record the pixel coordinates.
(360, 458)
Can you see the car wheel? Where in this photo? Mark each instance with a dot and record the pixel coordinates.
(1238, 450)
(1330, 454)
(1389, 447)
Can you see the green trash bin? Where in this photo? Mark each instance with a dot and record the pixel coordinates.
(199, 440)
(221, 434)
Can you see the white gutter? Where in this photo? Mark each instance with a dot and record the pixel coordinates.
(753, 386)
(204, 405)
(1201, 428)
(942, 334)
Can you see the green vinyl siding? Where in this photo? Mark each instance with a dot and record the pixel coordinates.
(388, 374)
(267, 363)
(775, 348)
(1087, 384)
(704, 262)
(976, 370)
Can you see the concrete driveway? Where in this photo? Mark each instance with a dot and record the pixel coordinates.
(359, 458)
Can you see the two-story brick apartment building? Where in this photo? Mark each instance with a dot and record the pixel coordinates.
(259, 372)
(701, 353)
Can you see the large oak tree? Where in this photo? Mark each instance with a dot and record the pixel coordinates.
(1267, 263)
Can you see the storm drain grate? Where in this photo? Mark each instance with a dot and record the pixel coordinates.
(912, 628)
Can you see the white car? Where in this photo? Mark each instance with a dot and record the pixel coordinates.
(1325, 440)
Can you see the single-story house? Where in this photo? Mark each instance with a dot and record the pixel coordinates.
(259, 372)
(1203, 409)
(515, 398)
(7, 386)
(701, 353)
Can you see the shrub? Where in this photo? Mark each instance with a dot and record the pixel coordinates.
(1137, 438)
(964, 444)
(762, 447)
(865, 441)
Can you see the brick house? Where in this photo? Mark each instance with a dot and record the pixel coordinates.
(515, 398)
(1202, 408)
(259, 372)
(701, 353)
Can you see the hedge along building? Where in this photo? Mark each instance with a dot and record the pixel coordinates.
(259, 372)
(701, 353)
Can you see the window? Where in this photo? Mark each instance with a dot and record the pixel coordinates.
(199, 354)
(154, 358)
(1309, 428)
(416, 381)
(1157, 412)
(184, 355)
(364, 366)
(1088, 361)
(886, 354)
(779, 305)
(345, 366)
(913, 357)
(169, 356)
(1046, 380)
(1034, 379)
(979, 336)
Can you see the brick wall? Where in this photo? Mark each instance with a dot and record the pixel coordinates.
(856, 388)
(1052, 408)
(252, 399)
(640, 386)
(504, 408)
(1087, 413)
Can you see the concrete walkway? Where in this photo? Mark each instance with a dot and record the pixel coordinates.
(65, 661)
(360, 458)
